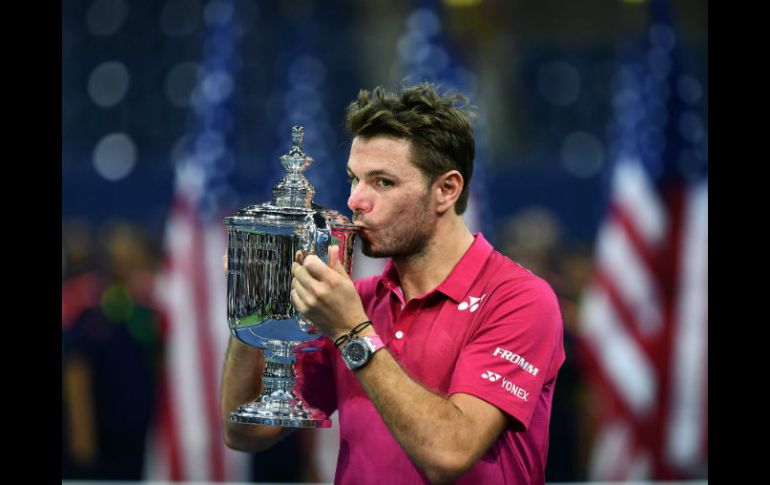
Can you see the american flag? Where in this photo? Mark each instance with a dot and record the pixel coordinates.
(644, 316)
(187, 443)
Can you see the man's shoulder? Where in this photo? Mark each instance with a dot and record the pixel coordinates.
(512, 279)
(504, 269)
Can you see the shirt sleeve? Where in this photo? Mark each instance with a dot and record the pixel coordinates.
(515, 348)
(315, 370)
(315, 377)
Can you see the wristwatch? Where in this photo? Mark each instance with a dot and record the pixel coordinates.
(360, 350)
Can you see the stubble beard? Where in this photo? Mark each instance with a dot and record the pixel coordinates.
(406, 240)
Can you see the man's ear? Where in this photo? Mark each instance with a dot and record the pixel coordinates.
(447, 189)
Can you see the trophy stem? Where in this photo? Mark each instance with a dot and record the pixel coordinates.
(278, 404)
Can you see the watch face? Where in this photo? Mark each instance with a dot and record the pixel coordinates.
(356, 354)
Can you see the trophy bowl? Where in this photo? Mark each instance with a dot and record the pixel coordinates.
(262, 242)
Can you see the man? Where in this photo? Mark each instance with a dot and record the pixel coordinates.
(453, 378)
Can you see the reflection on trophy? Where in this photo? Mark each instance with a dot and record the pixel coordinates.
(262, 242)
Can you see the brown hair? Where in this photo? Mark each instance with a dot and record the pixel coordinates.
(440, 131)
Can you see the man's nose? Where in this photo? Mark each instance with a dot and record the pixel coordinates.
(358, 200)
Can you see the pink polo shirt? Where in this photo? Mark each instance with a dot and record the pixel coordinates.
(491, 329)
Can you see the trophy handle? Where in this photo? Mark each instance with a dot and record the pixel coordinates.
(316, 241)
(315, 238)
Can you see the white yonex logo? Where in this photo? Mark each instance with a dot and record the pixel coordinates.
(473, 304)
(514, 389)
(491, 376)
(507, 385)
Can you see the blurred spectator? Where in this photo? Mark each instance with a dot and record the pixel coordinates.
(110, 354)
(80, 290)
(80, 281)
(533, 238)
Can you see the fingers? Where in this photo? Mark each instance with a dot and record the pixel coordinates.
(303, 285)
(299, 297)
(334, 259)
(299, 272)
(312, 278)
(316, 267)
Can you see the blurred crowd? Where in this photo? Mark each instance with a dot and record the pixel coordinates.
(111, 349)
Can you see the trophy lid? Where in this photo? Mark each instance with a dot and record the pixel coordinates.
(292, 195)
(294, 190)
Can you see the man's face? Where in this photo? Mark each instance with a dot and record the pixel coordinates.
(389, 197)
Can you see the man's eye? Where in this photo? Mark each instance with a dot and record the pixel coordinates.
(384, 183)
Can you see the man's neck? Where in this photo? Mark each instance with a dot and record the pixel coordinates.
(424, 272)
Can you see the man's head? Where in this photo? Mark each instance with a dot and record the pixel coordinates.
(440, 131)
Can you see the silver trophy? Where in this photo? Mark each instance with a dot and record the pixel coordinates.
(262, 242)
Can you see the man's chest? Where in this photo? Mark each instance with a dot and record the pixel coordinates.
(426, 336)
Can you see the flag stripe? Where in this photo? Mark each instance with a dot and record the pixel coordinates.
(640, 247)
(685, 419)
(633, 192)
(206, 355)
(633, 279)
(186, 388)
(626, 317)
(621, 361)
(612, 444)
(168, 431)
(673, 195)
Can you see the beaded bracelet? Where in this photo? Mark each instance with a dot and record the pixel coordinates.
(347, 336)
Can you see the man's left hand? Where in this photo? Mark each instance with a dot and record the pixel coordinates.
(325, 294)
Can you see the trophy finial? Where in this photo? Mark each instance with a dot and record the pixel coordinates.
(294, 189)
(296, 161)
(297, 134)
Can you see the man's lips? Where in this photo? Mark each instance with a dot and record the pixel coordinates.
(363, 231)
(358, 223)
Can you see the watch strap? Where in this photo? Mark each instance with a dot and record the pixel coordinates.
(375, 340)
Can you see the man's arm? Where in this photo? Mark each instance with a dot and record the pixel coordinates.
(442, 436)
(242, 383)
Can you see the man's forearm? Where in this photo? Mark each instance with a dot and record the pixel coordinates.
(241, 383)
(436, 435)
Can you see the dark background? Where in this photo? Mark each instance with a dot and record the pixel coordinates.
(542, 71)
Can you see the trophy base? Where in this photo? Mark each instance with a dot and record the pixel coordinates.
(254, 414)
